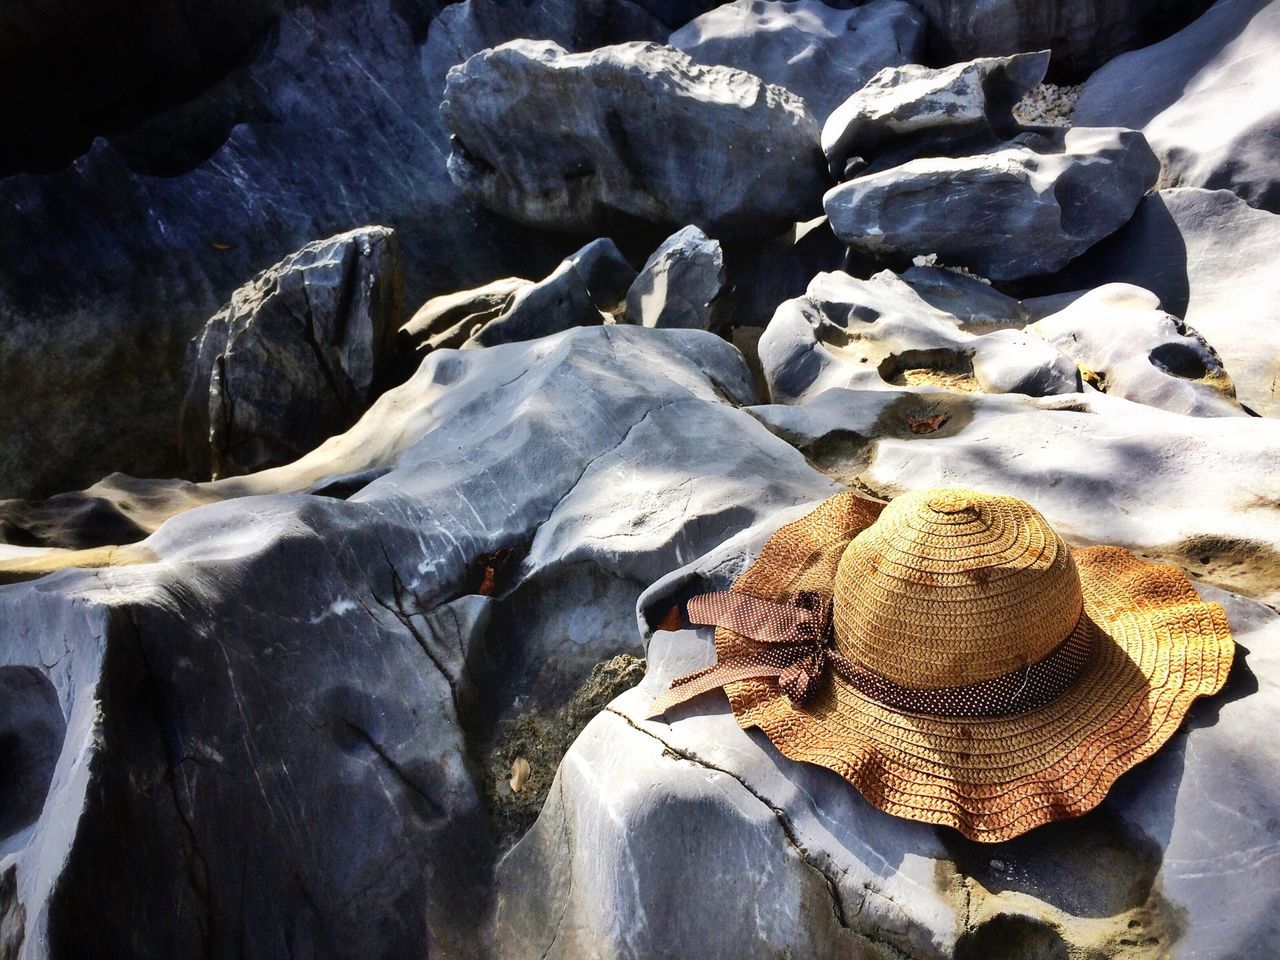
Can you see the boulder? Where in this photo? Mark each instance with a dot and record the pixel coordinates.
(1206, 100)
(692, 837)
(881, 334)
(763, 273)
(644, 136)
(1207, 256)
(814, 50)
(1020, 211)
(446, 321)
(588, 287)
(1083, 34)
(1133, 349)
(914, 111)
(263, 747)
(240, 154)
(681, 283)
(296, 356)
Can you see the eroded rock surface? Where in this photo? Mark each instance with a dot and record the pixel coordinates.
(1208, 256)
(644, 136)
(821, 53)
(1131, 348)
(1206, 100)
(296, 355)
(1020, 211)
(273, 692)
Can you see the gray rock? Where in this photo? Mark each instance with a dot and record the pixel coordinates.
(695, 838)
(821, 53)
(586, 288)
(1020, 211)
(1208, 256)
(296, 356)
(1102, 469)
(114, 261)
(880, 333)
(680, 283)
(446, 321)
(1135, 350)
(1083, 34)
(913, 111)
(1206, 100)
(763, 273)
(262, 743)
(643, 136)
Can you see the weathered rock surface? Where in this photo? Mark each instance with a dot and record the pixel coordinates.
(296, 356)
(1101, 469)
(692, 837)
(1083, 34)
(1133, 349)
(448, 320)
(114, 262)
(680, 284)
(881, 333)
(587, 288)
(276, 710)
(1208, 256)
(913, 111)
(1020, 211)
(821, 53)
(643, 136)
(1206, 100)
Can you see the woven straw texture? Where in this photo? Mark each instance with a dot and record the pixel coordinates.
(1157, 646)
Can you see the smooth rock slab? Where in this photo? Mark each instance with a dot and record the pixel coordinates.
(264, 750)
(1020, 211)
(643, 136)
(1101, 469)
(691, 837)
(1208, 256)
(912, 111)
(295, 356)
(821, 53)
(1133, 349)
(680, 284)
(1206, 100)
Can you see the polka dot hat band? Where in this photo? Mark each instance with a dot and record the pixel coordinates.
(952, 658)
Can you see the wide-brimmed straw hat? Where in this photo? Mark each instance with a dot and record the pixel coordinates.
(951, 657)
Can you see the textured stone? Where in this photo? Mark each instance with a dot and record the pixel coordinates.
(814, 50)
(1133, 349)
(881, 333)
(113, 262)
(1208, 256)
(475, 543)
(1206, 100)
(446, 321)
(296, 356)
(1083, 34)
(913, 111)
(692, 837)
(643, 136)
(1020, 211)
(680, 284)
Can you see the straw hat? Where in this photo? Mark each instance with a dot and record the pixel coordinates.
(963, 665)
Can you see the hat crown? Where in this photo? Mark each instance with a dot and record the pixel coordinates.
(953, 586)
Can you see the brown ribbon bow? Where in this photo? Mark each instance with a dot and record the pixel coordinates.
(798, 649)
